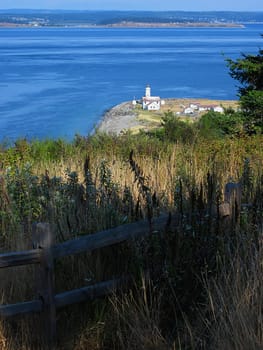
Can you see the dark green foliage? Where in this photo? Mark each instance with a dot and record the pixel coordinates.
(23, 192)
(248, 70)
(252, 107)
(177, 130)
(217, 125)
(51, 149)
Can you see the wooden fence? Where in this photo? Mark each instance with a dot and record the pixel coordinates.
(44, 253)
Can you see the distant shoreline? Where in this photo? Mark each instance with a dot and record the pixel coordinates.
(127, 24)
(130, 24)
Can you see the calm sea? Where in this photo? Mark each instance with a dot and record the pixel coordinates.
(57, 82)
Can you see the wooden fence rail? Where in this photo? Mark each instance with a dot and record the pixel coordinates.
(63, 299)
(26, 257)
(84, 244)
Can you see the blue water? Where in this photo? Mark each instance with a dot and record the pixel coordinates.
(57, 82)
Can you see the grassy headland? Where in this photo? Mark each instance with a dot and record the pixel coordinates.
(126, 116)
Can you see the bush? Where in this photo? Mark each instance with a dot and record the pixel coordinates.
(177, 130)
(217, 125)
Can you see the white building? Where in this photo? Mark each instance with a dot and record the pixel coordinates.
(189, 110)
(219, 109)
(151, 103)
(195, 105)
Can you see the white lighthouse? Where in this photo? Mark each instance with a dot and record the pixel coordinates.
(148, 91)
(151, 103)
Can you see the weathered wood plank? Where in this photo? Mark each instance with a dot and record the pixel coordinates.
(20, 308)
(66, 298)
(43, 239)
(26, 257)
(85, 243)
(89, 292)
(108, 237)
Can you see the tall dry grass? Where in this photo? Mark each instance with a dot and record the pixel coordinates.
(234, 319)
(137, 317)
(81, 195)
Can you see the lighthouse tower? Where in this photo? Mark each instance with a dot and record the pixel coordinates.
(148, 91)
(150, 103)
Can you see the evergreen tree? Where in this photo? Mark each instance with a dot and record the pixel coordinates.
(248, 70)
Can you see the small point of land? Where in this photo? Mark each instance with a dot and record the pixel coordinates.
(126, 116)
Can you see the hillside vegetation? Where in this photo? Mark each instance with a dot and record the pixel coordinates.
(197, 284)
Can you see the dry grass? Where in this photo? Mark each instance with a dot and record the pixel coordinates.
(224, 158)
(137, 319)
(177, 105)
(3, 339)
(236, 304)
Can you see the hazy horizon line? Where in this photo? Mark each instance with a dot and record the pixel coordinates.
(122, 10)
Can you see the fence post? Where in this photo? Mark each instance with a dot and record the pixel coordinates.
(42, 239)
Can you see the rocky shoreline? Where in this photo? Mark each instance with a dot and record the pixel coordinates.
(118, 119)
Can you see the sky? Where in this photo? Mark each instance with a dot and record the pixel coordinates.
(185, 5)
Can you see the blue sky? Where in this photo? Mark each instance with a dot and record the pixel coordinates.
(187, 5)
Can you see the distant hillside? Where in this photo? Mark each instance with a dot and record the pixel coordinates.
(67, 18)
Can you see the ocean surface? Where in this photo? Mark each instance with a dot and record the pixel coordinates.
(58, 82)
